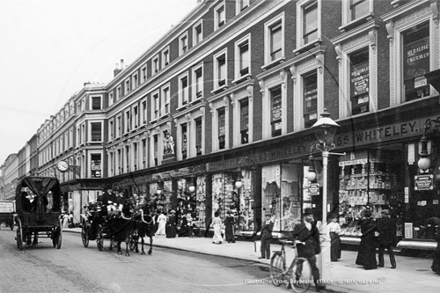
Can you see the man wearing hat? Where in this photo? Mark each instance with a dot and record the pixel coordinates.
(266, 236)
(387, 237)
(307, 233)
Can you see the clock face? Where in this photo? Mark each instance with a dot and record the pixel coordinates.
(62, 166)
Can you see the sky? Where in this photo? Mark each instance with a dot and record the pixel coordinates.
(49, 48)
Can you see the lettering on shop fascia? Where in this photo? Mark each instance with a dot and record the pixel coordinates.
(262, 157)
(398, 130)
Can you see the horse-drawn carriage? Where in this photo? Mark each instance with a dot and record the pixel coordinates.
(126, 225)
(42, 216)
(7, 210)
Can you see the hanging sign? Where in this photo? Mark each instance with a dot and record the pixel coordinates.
(314, 189)
(424, 182)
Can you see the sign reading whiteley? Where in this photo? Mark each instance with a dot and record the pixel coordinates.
(424, 182)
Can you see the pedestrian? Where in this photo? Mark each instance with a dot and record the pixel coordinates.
(387, 238)
(308, 234)
(217, 225)
(171, 225)
(436, 261)
(229, 227)
(266, 237)
(366, 256)
(162, 220)
(334, 229)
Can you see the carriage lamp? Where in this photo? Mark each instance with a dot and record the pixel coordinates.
(424, 162)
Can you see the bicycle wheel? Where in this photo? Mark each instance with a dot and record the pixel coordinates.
(301, 276)
(277, 267)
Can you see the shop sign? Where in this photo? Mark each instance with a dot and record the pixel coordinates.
(314, 189)
(359, 79)
(424, 182)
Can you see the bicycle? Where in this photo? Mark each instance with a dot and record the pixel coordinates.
(299, 274)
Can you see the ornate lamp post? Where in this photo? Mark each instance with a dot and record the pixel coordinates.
(325, 129)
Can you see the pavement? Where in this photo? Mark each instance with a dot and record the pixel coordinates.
(412, 274)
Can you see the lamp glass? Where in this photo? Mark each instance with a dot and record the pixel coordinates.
(325, 129)
(311, 175)
(424, 163)
(239, 183)
(191, 187)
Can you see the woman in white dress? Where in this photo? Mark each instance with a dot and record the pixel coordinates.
(217, 224)
(162, 220)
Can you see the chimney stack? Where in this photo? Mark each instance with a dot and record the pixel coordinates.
(122, 64)
(116, 70)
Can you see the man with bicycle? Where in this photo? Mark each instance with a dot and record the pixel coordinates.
(307, 233)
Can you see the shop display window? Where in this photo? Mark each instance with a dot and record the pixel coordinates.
(245, 213)
(192, 203)
(281, 195)
(368, 178)
(164, 198)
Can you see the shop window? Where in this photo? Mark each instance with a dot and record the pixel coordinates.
(281, 195)
(221, 128)
(244, 121)
(416, 61)
(310, 25)
(359, 82)
(310, 92)
(370, 177)
(198, 137)
(276, 113)
(359, 8)
(96, 165)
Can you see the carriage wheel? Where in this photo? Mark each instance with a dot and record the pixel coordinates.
(84, 234)
(100, 239)
(19, 235)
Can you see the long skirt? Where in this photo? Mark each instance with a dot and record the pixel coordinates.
(171, 230)
(217, 239)
(335, 252)
(161, 229)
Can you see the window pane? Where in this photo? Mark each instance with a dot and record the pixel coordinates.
(96, 103)
(96, 165)
(359, 8)
(244, 57)
(310, 22)
(310, 99)
(276, 111)
(275, 42)
(96, 131)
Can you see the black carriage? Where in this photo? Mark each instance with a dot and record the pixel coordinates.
(7, 211)
(92, 224)
(42, 216)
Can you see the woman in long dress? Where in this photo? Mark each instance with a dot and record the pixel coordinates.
(334, 229)
(162, 220)
(171, 225)
(229, 227)
(367, 247)
(217, 224)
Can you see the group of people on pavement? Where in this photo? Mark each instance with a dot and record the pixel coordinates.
(376, 233)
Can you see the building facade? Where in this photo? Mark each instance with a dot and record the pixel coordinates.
(217, 116)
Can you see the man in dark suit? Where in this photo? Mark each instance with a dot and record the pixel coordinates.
(266, 237)
(308, 234)
(387, 234)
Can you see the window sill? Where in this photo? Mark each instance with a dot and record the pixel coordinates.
(219, 89)
(153, 121)
(307, 47)
(273, 63)
(242, 78)
(357, 22)
(182, 107)
(196, 101)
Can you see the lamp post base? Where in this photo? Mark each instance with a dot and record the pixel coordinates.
(324, 263)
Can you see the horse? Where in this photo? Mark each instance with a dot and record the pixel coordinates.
(144, 227)
(120, 227)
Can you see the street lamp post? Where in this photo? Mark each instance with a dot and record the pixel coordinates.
(325, 129)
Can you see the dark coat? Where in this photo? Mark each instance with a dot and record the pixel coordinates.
(312, 244)
(266, 230)
(387, 231)
(229, 228)
(366, 256)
